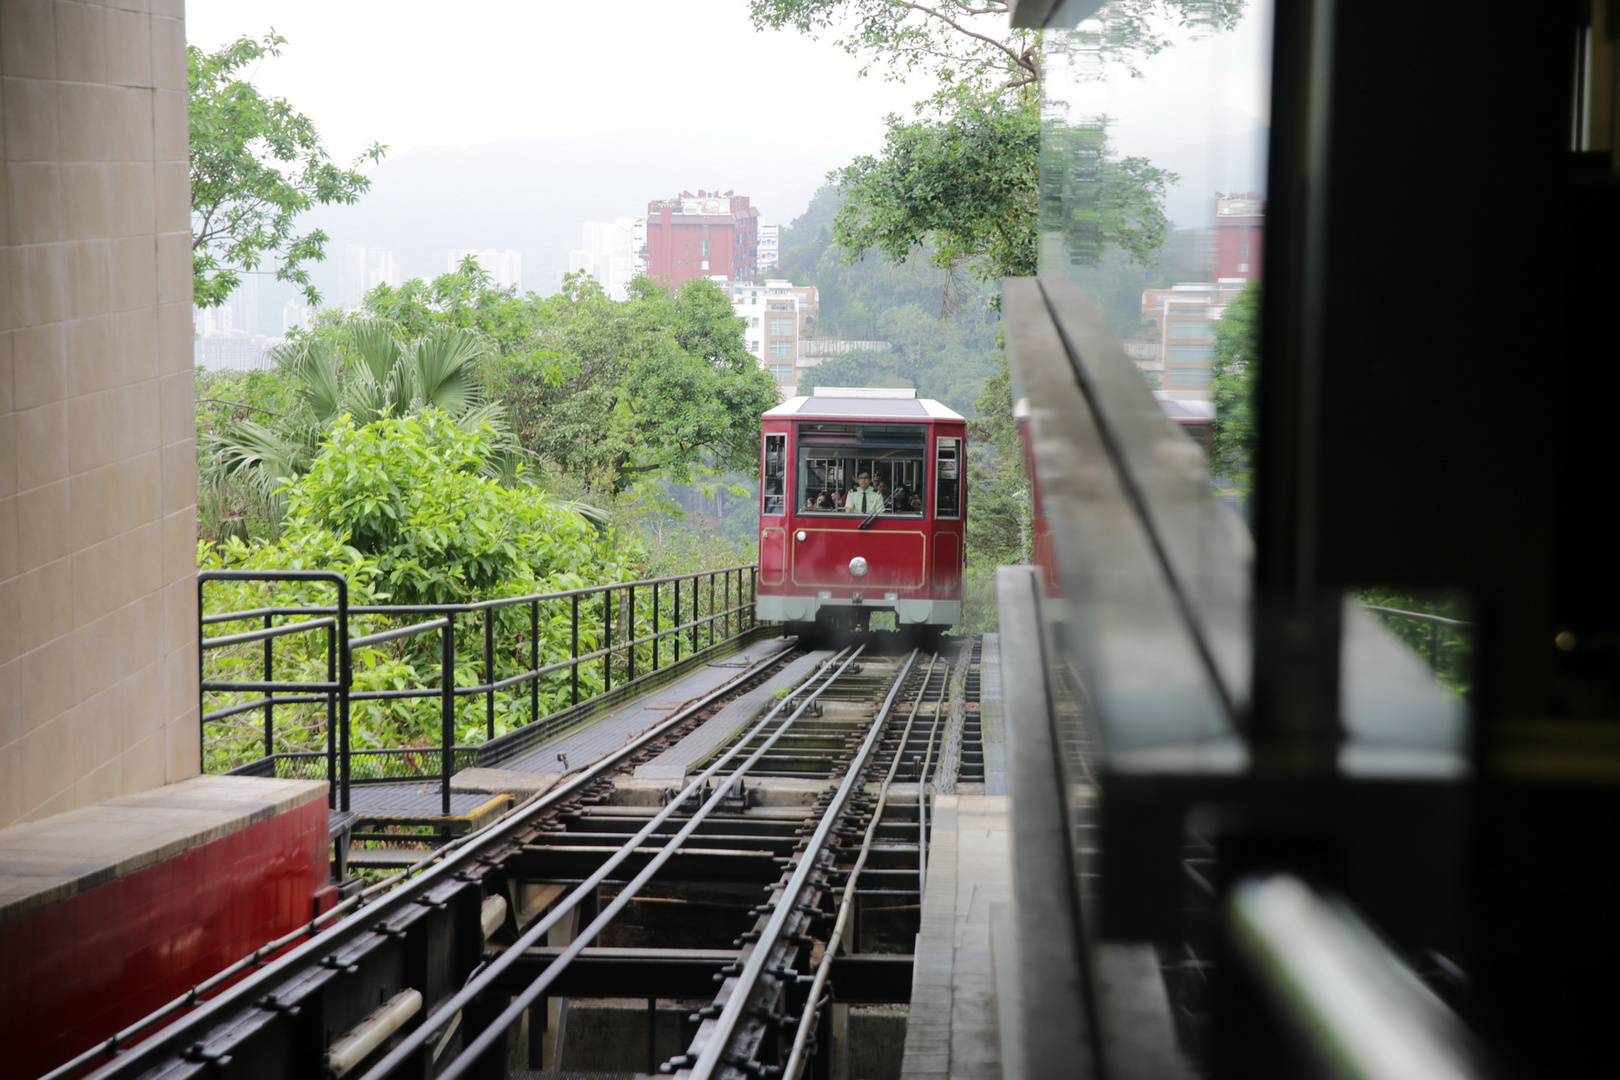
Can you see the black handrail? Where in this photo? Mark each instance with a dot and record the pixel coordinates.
(339, 672)
(699, 629)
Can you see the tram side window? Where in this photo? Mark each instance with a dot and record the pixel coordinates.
(774, 481)
(948, 478)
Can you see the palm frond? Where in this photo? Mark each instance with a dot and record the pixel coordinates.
(377, 342)
(259, 456)
(598, 518)
(445, 366)
(366, 401)
(317, 371)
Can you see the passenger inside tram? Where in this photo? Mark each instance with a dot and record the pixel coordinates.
(864, 499)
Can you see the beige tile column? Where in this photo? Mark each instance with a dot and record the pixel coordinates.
(98, 676)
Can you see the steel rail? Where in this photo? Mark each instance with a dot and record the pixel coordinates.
(496, 1029)
(193, 997)
(147, 1054)
(801, 1038)
(719, 1036)
(211, 687)
(922, 796)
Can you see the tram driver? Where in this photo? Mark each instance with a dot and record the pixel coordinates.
(863, 500)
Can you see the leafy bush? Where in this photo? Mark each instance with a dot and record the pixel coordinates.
(399, 508)
(408, 493)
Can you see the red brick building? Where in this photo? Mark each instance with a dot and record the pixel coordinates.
(710, 234)
(1239, 227)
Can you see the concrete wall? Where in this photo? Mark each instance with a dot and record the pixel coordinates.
(98, 675)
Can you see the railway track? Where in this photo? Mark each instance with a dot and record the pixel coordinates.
(778, 878)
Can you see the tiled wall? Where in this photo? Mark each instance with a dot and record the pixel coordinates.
(98, 669)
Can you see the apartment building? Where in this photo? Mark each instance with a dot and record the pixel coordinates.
(777, 316)
(1181, 321)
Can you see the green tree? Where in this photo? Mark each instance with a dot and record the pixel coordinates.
(400, 508)
(408, 492)
(378, 375)
(659, 385)
(256, 164)
(970, 42)
(967, 183)
(463, 297)
(963, 180)
(965, 174)
(1235, 366)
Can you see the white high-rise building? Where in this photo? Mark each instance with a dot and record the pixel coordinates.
(294, 316)
(363, 270)
(611, 253)
(775, 317)
(770, 240)
(505, 267)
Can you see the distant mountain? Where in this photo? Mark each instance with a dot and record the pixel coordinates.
(533, 194)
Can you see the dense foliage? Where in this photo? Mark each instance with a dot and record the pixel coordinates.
(1236, 365)
(602, 393)
(418, 446)
(399, 506)
(408, 493)
(1000, 508)
(660, 385)
(256, 164)
(963, 179)
(367, 372)
(964, 175)
(941, 335)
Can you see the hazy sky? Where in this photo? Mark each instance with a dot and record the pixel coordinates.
(411, 73)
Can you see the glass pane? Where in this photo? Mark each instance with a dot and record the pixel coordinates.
(774, 485)
(1154, 119)
(948, 503)
(861, 469)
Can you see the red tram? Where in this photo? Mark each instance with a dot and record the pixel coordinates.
(863, 499)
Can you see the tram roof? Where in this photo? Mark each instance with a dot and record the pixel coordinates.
(864, 403)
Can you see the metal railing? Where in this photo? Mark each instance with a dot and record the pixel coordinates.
(641, 627)
(1435, 623)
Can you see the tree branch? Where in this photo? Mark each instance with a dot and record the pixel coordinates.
(1021, 61)
(239, 405)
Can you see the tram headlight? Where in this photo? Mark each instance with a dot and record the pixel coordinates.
(857, 566)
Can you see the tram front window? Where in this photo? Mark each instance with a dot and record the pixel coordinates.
(833, 458)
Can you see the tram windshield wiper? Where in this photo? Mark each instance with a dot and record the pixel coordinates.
(866, 522)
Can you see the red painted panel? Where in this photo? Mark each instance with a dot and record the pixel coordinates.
(896, 553)
(947, 565)
(76, 972)
(772, 555)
